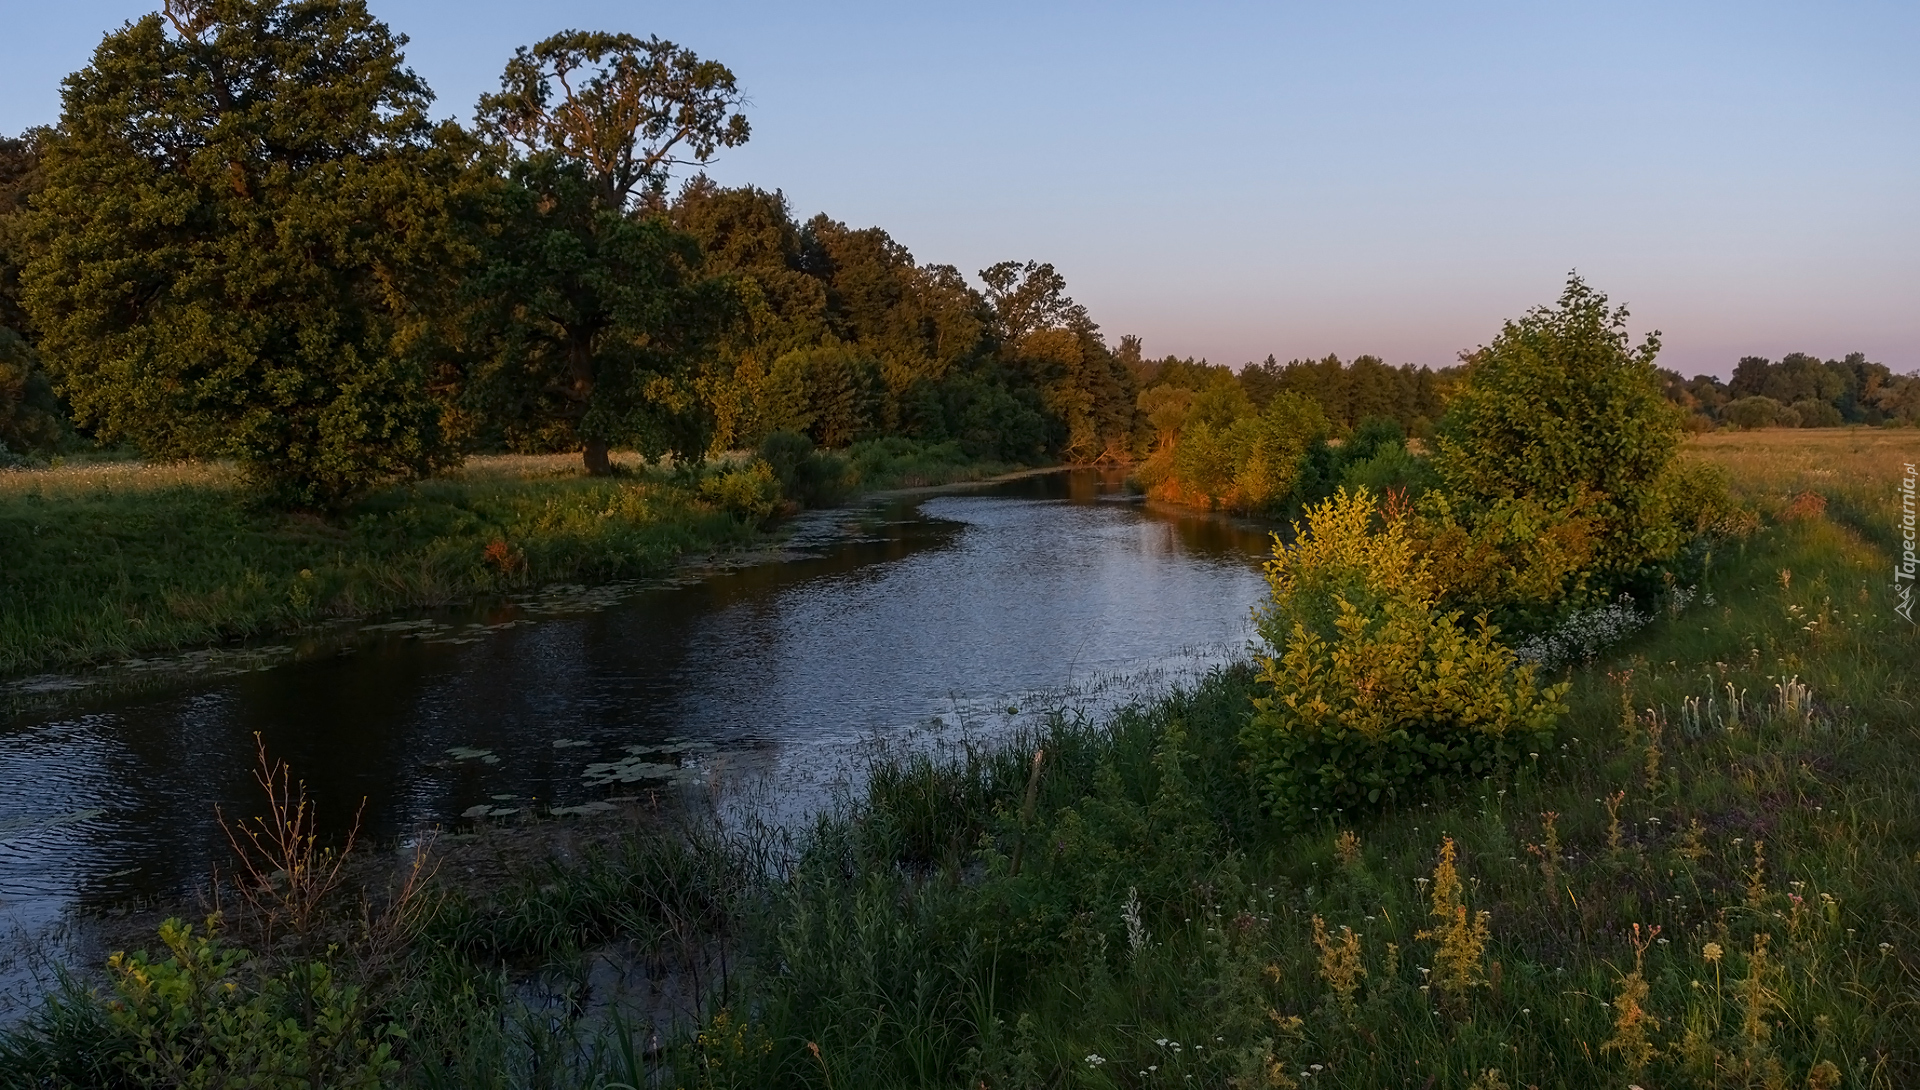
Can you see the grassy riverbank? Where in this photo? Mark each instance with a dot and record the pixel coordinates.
(110, 560)
(1707, 878)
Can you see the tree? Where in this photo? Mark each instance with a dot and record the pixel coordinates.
(599, 319)
(241, 204)
(641, 109)
(1048, 340)
(1758, 411)
(1562, 415)
(29, 415)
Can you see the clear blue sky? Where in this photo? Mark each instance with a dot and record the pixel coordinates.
(1233, 180)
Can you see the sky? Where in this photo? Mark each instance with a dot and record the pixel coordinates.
(1229, 181)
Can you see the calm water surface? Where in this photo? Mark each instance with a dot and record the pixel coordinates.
(957, 615)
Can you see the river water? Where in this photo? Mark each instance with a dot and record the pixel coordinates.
(927, 621)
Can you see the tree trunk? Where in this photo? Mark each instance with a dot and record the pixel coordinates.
(599, 464)
(580, 368)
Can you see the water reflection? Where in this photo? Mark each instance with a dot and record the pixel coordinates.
(913, 615)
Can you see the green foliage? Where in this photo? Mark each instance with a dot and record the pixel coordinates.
(1561, 416)
(108, 562)
(1049, 341)
(808, 477)
(1392, 469)
(1813, 413)
(893, 462)
(1398, 701)
(629, 111)
(195, 1021)
(1218, 450)
(232, 256)
(29, 415)
(750, 490)
(1352, 393)
(1801, 390)
(592, 323)
(596, 323)
(1370, 693)
(830, 391)
(1758, 411)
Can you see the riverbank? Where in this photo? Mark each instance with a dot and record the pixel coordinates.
(109, 561)
(1706, 878)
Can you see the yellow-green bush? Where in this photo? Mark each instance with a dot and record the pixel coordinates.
(191, 1021)
(1372, 691)
(751, 491)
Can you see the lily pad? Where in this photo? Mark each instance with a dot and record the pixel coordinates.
(584, 809)
(630, 770)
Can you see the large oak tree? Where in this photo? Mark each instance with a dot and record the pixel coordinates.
(598, 313)
(242, 204)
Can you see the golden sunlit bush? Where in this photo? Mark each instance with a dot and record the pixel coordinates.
(1372, 691)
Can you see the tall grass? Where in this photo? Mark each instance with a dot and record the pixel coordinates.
(115, 560)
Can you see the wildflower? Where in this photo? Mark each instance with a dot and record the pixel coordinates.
(1094, 1059)
(1130, 915)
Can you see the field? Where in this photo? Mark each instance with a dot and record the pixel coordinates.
(1709, 877)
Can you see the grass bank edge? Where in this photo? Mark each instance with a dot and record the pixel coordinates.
(108, 561)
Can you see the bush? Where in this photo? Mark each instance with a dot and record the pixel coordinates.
(1259, 461)
(192, 1021)
(1393, 469)
(1749, 413)
(749, 491)
(808, 477)
(1372, 692)
(1814, 413)
(1560, 414)
(1375, 457)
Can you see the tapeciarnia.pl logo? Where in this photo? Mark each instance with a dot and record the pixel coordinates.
(1905, 569)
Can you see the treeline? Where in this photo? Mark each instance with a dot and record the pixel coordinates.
(1799, 391)
(246, 239)
(1264, 439)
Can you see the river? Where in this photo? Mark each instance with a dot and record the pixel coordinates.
(919, 620)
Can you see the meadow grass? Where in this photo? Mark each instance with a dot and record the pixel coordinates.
(109, 561)
(1709, 877)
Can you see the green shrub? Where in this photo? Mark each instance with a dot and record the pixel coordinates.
(1393, 469)
(1372, 692)
(808, 477)
(1561, 413)
(1258, 461)
(193, 1021)
(1749, 413)
(1814, 413)
(1371, 437)
(750, 490)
